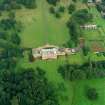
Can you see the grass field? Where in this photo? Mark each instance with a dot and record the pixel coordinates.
(41, 27)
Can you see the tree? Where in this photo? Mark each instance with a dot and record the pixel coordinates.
(52, 10)
(74, 30)
(57, 15)
(85, 1)
(3, 35)
(17, 4)
(78, 75)
(82, 16)
(61, 9)
(85, 50)
(71, 8)
(15, 39)
(74, 0)
(30, 87)
(7, 23)
(28, 3)
(53, 2)
(92, 94)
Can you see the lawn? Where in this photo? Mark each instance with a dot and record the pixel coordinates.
(80, 98)
(41, 27)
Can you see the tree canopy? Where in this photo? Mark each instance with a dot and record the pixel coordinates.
(29, 87)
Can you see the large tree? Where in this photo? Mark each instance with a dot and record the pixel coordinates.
(82, 16)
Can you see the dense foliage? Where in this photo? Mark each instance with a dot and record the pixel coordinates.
(9, 43)
(86, 71)
(53, 2)
(101, 8)
(71, 8)
(16, 4)
(82, 16)
(74, 30)
(28, 88)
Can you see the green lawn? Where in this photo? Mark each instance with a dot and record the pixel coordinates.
(80, 87)
(41, 27)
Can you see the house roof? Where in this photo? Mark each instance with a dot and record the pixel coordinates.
(49, 53)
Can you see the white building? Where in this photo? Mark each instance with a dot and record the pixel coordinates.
(51, 52)
(89, 26)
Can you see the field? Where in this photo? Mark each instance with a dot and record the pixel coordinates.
(41, 27)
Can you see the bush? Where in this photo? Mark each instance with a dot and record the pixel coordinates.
(82, 16)
(89, 70)
(71, 8)
(53, 2)
(91, 94)
(15, 39)
(85, 50)
(61, 9)
(57, 15)
(52, 10)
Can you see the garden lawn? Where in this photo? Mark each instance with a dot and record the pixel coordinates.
(80, 97)
(41, 27)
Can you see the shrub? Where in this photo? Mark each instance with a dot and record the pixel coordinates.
(53, 2)
(71, 8)
(61, 9)
(52, 10)
(91, 94)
